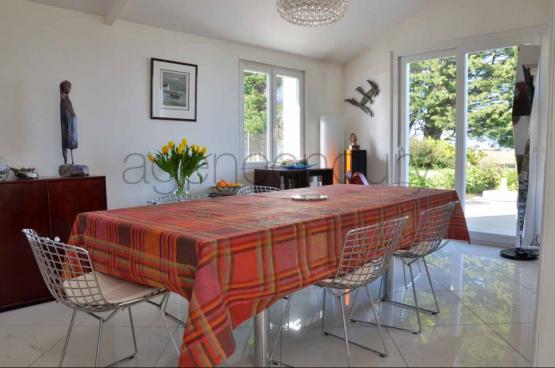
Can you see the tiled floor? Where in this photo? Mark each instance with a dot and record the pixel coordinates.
(487, 312)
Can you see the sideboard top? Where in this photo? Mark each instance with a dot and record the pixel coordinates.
(13, 180)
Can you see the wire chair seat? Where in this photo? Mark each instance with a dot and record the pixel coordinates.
(357, 277)
(116, 293)
(174, 198)
(253, 189)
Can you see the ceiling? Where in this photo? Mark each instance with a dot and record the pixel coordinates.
(256, 22)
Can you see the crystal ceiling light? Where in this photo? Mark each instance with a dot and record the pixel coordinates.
(312, 13)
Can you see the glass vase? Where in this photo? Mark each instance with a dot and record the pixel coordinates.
(183, 186)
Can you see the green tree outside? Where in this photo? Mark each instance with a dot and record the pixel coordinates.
(255, 102)
(432, 119)
(491, 81)
(491, 84)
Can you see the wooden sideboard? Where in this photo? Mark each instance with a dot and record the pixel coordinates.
(48, 206)
(291, 178)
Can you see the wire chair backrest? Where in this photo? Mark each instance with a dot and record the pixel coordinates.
(366, 253)
(432, 229)
(68, 273)
(174, 198)
(256, 189)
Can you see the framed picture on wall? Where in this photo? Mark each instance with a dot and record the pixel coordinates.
(173, 90)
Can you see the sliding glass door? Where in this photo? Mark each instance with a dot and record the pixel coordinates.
(462, 128)
(491, 173)
(430, 129)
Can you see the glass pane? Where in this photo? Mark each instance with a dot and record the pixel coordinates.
(432, 122)
(491, 172)
(288, 118)
(255, 116)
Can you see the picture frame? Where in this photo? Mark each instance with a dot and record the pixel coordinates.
(173, 90)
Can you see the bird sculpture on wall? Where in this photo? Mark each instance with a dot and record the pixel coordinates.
(367, 98)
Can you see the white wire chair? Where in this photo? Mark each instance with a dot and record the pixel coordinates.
(173, 198)
(364, 258)
(70, 277)
(253, 189)
(432, 228)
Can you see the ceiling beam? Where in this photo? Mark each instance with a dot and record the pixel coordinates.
(114, 11)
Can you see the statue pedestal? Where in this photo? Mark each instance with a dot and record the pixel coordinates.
(73, 170)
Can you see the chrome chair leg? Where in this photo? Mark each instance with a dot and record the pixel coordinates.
(66, 343)
(278, 334)
(378, 323)
(385, 299)
(353, 302)
(407, 285)
(323, 327)
(101, 322)
(327, 333)
(405, 276)
(165, 320)
(164, 306)
(382, 288)
(411, 283)
(98, 341)
(345, 331)
(133, 334)
(415, 300)
(431, 284)
(135, 349)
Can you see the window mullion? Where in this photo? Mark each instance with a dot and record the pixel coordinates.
(272, 125)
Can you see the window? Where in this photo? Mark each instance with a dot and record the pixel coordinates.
(272, 113)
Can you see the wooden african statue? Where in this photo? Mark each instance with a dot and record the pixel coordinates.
(68, 121)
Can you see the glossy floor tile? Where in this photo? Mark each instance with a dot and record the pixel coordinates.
(519, 336)
(487, 306)
(116, 344)
(457, 345)
(22, 345)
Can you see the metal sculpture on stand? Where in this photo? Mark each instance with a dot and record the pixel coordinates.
(367, 98)
(68, 120)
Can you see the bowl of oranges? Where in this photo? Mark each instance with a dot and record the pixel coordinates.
(225, 188)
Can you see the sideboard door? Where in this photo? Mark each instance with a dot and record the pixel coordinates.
(22, 205)
(71, 197)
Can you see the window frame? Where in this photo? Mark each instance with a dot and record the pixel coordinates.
(272, 73)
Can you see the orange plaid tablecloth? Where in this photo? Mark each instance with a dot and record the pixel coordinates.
(233, 257)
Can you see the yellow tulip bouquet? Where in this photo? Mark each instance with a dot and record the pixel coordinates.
(180, 161)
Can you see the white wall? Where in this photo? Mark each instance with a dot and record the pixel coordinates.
(109, 68)
(437, 22)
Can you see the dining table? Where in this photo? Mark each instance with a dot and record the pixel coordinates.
(233, 257)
